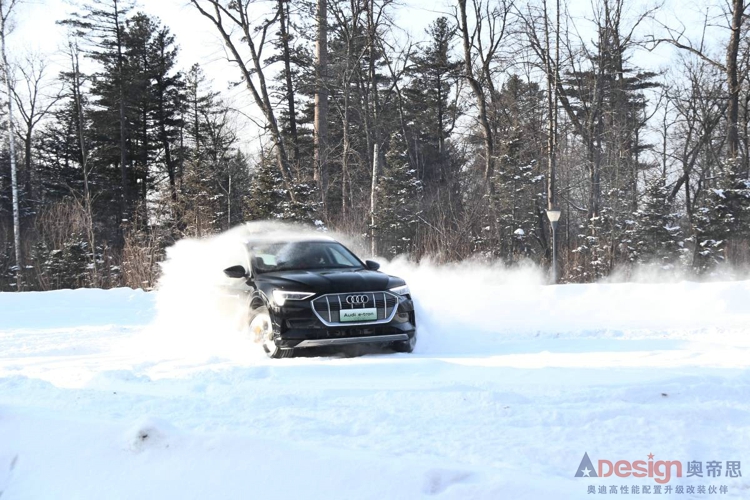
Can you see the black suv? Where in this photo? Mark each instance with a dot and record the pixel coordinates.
(312, 292)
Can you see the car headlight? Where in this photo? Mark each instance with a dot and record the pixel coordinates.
(401, 290)
(281, 296)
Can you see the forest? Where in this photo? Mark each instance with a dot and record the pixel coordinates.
(448, 144)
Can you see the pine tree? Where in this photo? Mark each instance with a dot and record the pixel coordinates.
(205, 174)
(398, 211)
(267, 196)
(139, 72)
(710, 237)
(655, 235)
(519, 177)
(430, 106)
(167, 90)
(102, 22)
(722, 224)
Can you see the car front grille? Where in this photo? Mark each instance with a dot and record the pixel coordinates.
(327, 307)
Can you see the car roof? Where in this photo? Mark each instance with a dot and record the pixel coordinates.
(291, 239)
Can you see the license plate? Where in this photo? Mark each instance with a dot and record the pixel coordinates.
(369, 314)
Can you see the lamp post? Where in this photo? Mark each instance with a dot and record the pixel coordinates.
(554, 215)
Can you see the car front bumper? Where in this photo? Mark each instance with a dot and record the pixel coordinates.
(297, 326)
(354, 340)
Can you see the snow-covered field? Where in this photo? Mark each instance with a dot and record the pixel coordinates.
(512, 382)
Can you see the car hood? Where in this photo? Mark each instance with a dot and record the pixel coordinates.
(331, 281)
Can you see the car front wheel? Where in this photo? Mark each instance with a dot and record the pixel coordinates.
(261, 329)
(406, 345)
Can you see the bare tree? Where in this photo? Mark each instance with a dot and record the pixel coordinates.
(736, 16)
(349, 25)
(699, 107)
(34, 103)
(360, 27)
(373, 104)
(481, 44)
(552, 72)
(286, 56)
(6, 10)
(321, 100)
(228, 16)
(397, 69)
(374, 201)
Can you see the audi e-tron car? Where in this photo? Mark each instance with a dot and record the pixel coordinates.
(316, 292)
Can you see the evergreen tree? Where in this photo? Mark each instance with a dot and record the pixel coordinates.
(267, 196)
(722, 224)
(709, 238)
(210, 145)
(655, 233)
(102, 22)
(398, 211)
(519, 180)
(430, 106)
(167, 90)
(140, 106)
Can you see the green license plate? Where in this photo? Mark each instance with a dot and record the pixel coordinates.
(369, 314)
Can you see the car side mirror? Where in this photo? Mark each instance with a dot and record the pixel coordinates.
(372, 265)
(236, 272)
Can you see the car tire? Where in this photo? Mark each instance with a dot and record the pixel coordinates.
(406, 346)
(261, 329)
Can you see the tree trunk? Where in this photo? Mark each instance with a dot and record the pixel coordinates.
(171, 170)
(479, 95)
(12, 149)
(345, 151)
(284, 30)
(144, 159)
(168, 160)
(551, 112)
(374, 200)
(594, 167)
(124, 181)
(95, 281)
(27, 140)
(373, 126)
(321, 102)
(738, 8)
(440, 129)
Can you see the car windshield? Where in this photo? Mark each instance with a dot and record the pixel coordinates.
(301, 255)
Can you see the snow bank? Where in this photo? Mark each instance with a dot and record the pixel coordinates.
(80, 307)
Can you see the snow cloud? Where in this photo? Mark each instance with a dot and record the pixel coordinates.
(461, 307)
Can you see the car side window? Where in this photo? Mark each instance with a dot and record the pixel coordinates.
(266, 259)
(340, 258)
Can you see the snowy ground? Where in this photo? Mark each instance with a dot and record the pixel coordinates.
(511, 383)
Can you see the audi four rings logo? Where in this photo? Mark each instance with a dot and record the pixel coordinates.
(357, 299)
